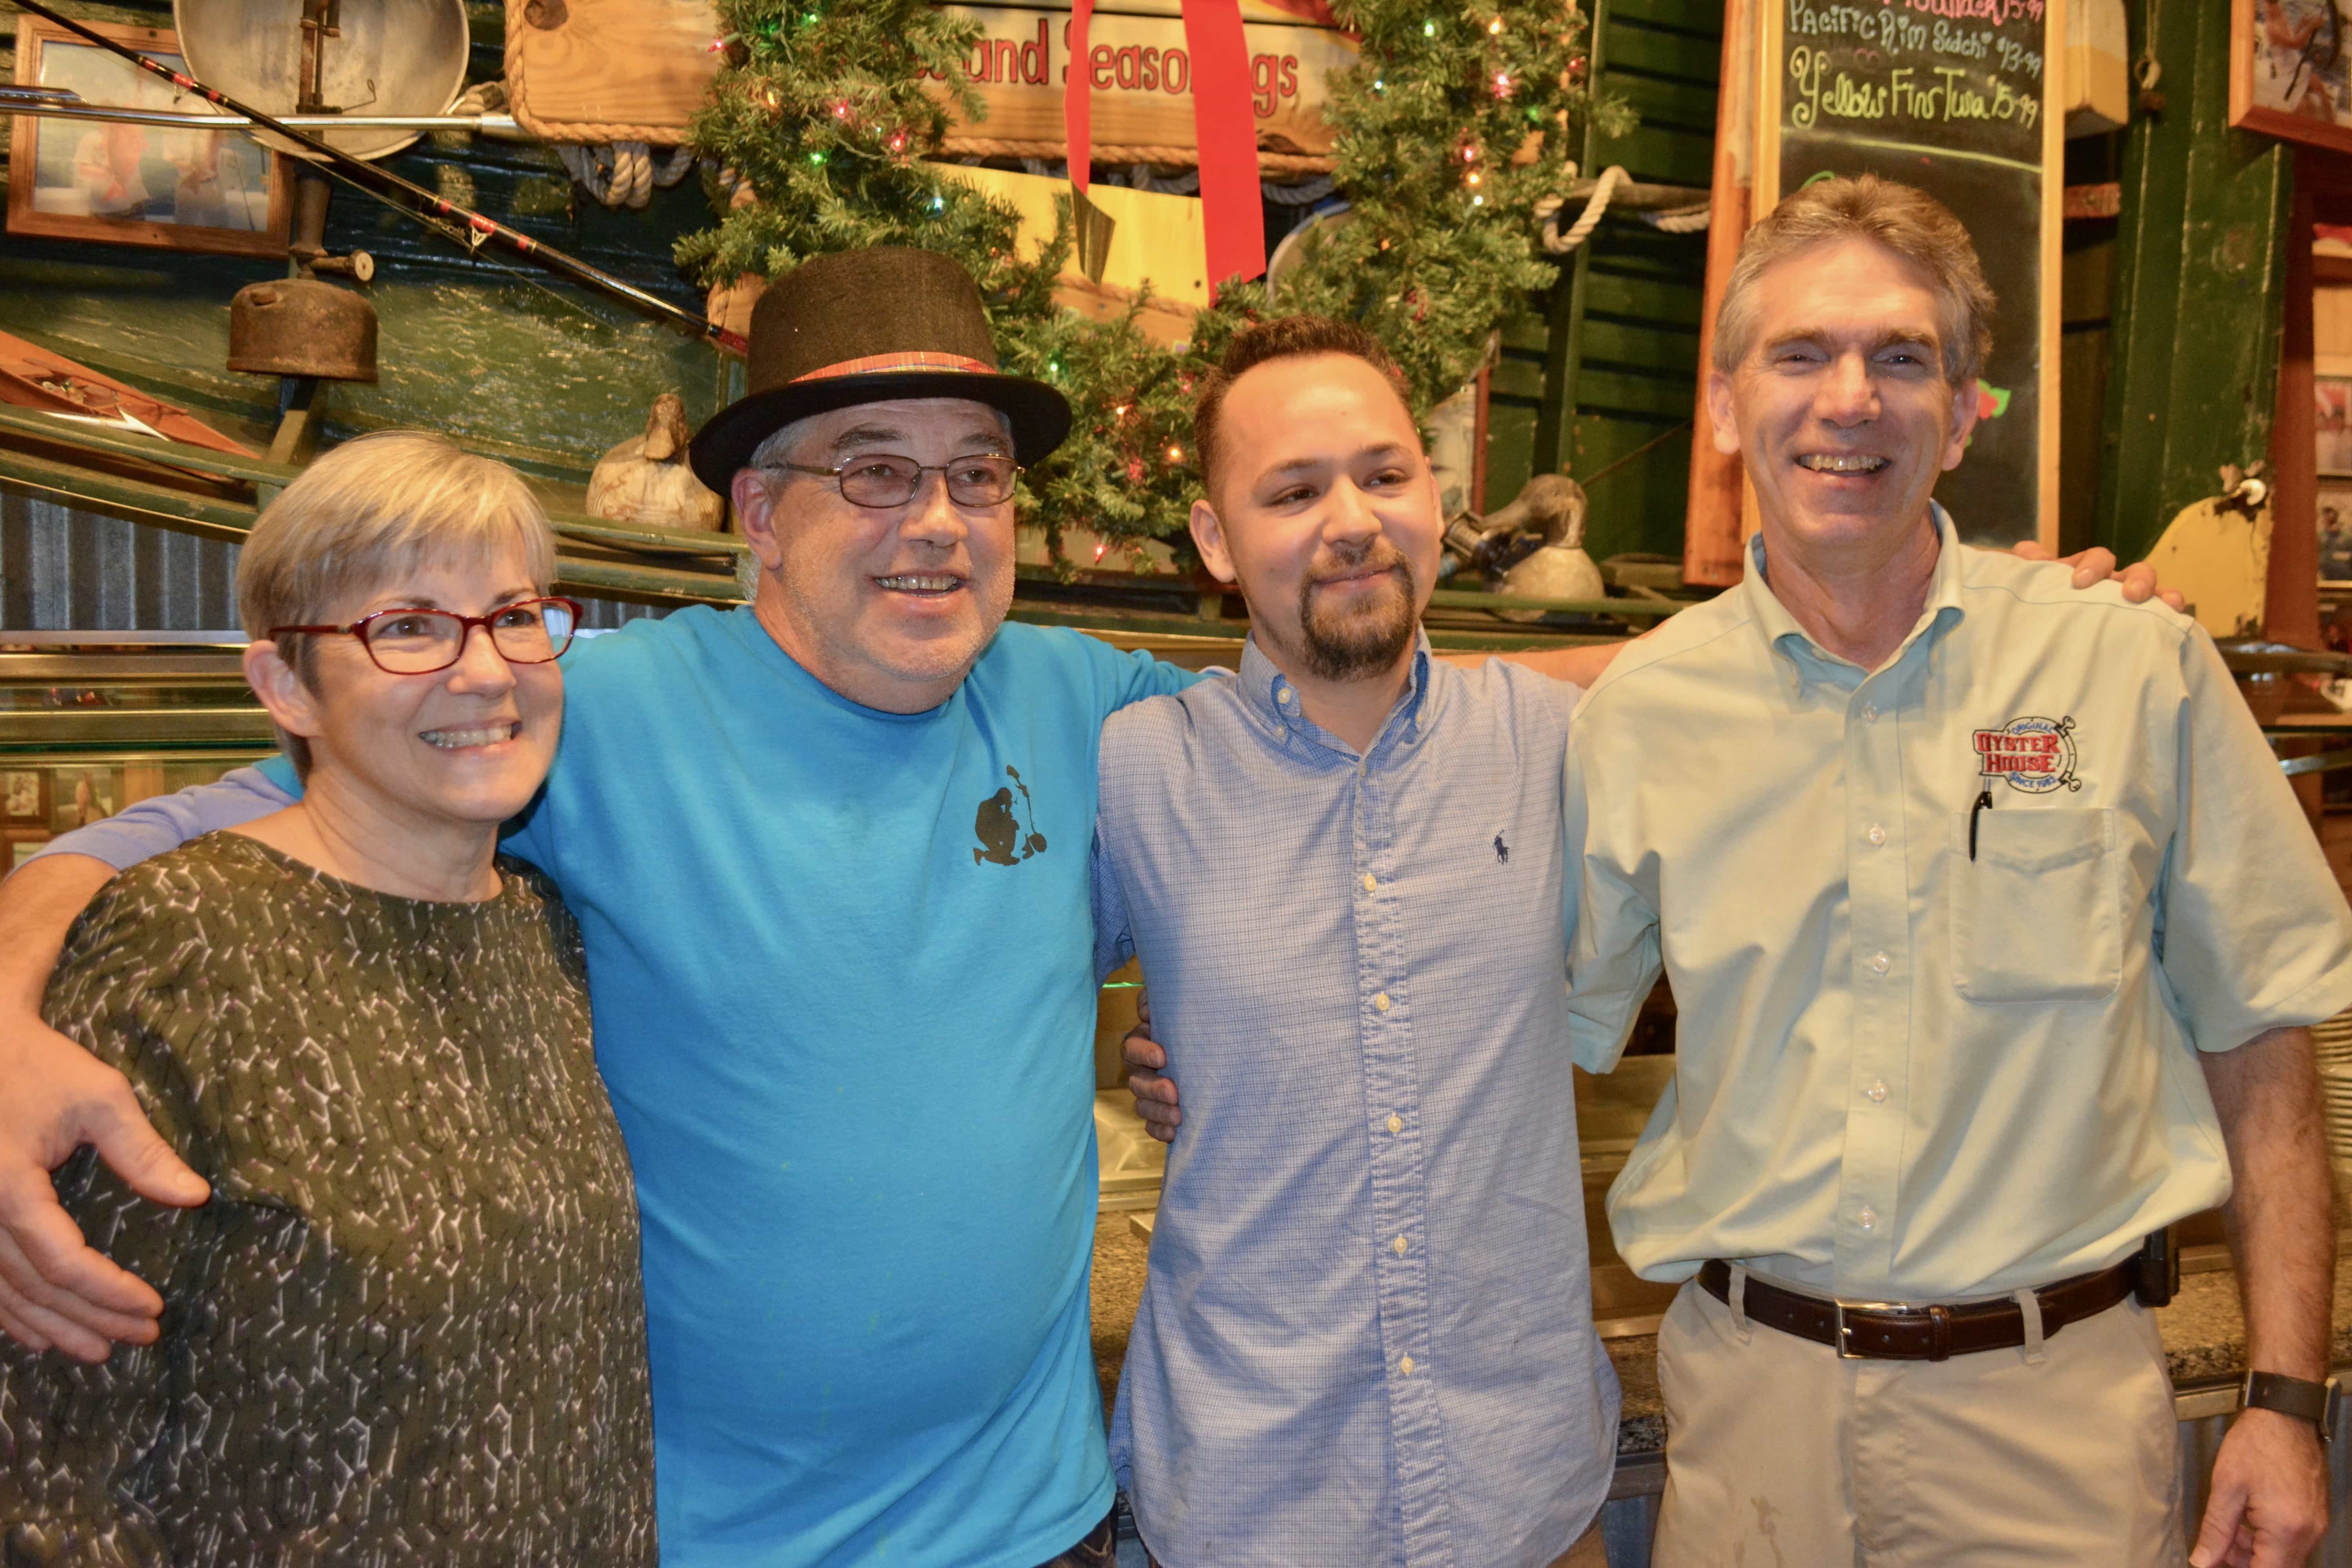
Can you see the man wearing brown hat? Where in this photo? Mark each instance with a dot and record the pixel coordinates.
(829, 855)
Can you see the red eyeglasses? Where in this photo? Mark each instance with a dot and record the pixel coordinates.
(418, 642)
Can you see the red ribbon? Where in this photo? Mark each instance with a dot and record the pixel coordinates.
(1224, 128)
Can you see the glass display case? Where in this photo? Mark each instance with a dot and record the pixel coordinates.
(84, 730)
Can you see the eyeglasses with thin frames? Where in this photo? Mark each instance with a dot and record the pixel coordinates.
(887, 479)
(419, 641)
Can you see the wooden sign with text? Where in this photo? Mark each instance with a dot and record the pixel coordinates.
(604, 70)
(1960, 98)
(1140, 75)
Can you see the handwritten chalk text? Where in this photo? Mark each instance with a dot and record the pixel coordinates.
(1938, 94)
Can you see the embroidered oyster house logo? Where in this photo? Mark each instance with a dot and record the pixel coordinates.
(2035, 754)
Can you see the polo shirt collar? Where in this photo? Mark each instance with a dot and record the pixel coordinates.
(1802, 659)
(1274, 702)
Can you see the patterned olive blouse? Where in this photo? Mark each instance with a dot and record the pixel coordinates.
(408, 1326)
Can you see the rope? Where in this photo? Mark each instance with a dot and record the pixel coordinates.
(623, 174)
(482, 97)
(1549, 208)
(1305, 195)
(1680, 220)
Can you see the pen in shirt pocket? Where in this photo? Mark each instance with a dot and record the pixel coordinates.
(1984, 802)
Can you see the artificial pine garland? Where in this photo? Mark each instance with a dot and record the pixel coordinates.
(1450, 129)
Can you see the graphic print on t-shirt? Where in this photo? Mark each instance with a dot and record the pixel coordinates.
(1001, 832)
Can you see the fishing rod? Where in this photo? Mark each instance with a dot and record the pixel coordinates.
(413, 198)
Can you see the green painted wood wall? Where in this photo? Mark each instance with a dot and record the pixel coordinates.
(1607, 363)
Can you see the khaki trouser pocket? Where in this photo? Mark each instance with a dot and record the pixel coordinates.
(2037, 915)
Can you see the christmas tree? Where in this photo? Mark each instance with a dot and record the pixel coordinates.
(1452, 126)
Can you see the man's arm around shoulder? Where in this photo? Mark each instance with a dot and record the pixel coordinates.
(54, 1290)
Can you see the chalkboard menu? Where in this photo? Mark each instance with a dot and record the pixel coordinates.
(1955, 97)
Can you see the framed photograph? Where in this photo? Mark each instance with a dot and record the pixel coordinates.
(19, 845)
(24, 795)
(2291, 70)
(2332, 423)
(2336, 532)
(81, 796)
(182, 189)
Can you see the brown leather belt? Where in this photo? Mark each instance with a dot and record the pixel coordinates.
(1881, 1330)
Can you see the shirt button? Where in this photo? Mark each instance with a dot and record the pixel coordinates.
(1397, 1246)
(1285, 697)
(1406, 1366)
(1876, 1092)
(1369, 883)
(1396, 1123)
(1876, 835)
(1867, 1218)
(1379, 1001)
(1880, 963)
(1870, 712)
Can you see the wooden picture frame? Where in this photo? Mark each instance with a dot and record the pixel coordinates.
(2334, 507)
(2277, 86)
(19, 845)
(83, 793)
(24, 796)
(88, 179)
(2331, 399)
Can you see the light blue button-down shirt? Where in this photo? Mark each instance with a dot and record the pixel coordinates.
(1366, 1332)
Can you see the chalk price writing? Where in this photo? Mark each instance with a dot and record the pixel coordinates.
(1893, 31)
(2016, 57)
(2000, 12)
(1939, 94)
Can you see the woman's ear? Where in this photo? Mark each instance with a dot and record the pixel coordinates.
(293, 706)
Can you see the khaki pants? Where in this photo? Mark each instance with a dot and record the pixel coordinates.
(1779, 1454)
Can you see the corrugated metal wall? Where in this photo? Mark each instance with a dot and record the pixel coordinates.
(63, 569)
(66, 570)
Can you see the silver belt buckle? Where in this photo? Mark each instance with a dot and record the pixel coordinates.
(1842, 1353)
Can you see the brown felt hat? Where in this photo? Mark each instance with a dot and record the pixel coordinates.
(867, 326)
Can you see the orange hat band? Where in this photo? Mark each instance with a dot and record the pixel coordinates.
(913, 359)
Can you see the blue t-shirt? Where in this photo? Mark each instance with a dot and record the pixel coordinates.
(841, 964)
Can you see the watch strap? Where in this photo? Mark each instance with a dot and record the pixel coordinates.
(2295, 1397)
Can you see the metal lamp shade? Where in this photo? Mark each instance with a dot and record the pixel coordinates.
(392, 56)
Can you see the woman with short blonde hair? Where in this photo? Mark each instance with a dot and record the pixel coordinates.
(407, 1326)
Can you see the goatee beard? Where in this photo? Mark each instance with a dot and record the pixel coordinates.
(1367, 643)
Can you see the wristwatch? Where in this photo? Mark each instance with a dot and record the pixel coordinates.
(2295, 1397)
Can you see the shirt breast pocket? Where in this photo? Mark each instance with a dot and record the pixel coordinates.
(2037, 916)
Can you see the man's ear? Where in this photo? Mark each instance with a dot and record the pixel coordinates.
(1209, 536)
(1966, 403)
(292, 705)
(1720, 422)
(755, 509)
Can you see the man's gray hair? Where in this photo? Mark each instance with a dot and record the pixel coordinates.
(1906, 221)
